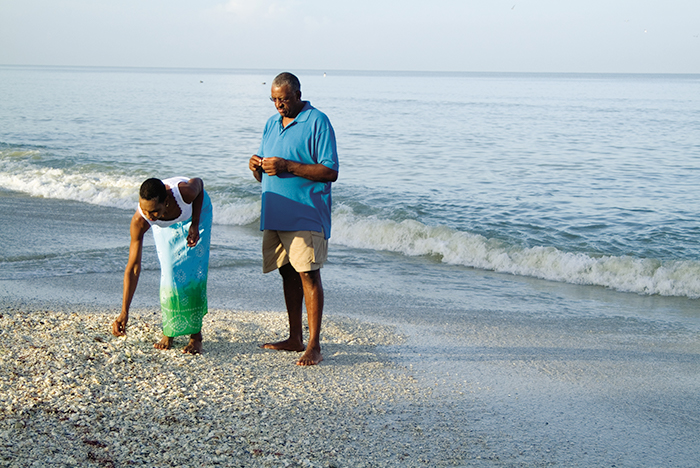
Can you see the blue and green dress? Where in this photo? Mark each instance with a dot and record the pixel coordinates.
(183, 269)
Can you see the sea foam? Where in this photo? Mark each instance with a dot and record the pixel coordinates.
(114, 190)
(99, 188)
(623, 273)
(408, 237)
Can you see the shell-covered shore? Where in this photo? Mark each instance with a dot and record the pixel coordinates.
(71, 394)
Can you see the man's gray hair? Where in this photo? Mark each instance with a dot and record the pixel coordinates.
(286, 78)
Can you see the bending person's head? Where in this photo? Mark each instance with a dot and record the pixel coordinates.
(152, 196)
(153, 189)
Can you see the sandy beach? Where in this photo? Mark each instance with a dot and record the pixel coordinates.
(74, 396)
(481, 390)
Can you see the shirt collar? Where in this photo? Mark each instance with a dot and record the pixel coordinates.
(302, 116)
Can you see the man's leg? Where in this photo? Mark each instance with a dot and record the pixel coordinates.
(313, 293)
(293, 298)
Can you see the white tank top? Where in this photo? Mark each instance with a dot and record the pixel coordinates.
(185, 209)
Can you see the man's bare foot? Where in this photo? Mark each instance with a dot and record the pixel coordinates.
(193, 347)
(286, 345)
(165, 343)
(311, 357)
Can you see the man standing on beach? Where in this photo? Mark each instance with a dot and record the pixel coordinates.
(296, 164)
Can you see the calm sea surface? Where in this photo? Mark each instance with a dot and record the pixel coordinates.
(580, 179)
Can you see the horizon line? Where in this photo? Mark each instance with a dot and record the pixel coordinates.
(340, 71)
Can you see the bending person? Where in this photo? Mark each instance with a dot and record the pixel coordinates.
(180, 213)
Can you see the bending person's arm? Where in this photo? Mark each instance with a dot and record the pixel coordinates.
(192, 192)
(139, 226)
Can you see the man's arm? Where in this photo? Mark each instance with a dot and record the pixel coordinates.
(315, 172)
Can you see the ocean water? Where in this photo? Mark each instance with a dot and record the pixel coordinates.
(580, 179)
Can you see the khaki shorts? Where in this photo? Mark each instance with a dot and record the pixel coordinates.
(305, 250)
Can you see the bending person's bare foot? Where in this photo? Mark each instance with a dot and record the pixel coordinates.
(165, 343)
(286, 345)
(311, 357)
(195, 344)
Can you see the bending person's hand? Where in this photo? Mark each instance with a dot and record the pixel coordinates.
(119, 325)
(193, 236)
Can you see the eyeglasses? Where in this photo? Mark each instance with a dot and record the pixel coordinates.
(281, 101)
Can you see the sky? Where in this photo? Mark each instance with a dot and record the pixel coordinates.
(591, 36)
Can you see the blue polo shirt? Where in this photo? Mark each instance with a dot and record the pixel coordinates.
(289, 202)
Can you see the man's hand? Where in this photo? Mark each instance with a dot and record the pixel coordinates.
(255, 162)
(274, 166)
(255, 165)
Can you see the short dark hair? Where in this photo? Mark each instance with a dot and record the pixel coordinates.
(286, 78)
(153, 189)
